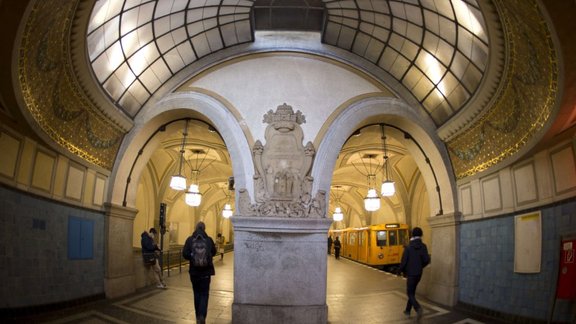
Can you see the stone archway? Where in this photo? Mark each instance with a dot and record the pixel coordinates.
(442, 280)
(120, 276)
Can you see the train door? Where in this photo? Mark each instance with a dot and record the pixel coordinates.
(352, 251)
(362, 245)
(379, 250)
(395, 247)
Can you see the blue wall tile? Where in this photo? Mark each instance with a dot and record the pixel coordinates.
(487, 277)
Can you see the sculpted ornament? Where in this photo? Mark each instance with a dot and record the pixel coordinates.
(282, 181)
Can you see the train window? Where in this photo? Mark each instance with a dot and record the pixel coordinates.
(403, 236)
(381, 238)
(393, 237)
(352, 239)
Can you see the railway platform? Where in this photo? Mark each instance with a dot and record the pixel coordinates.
(355, 294)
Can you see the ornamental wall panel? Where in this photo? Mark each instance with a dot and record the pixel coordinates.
(563, 169)
(43, 171)
(75, 181)
(492, 195)
(10, 148)
(466, 200)
(525, 184)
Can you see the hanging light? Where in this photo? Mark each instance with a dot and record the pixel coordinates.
(193, 196)
(337, 215)
(178, 181)
(372, 200)
(227, 211)
(387, 188)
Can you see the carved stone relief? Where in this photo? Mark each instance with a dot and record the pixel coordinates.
(282, 181)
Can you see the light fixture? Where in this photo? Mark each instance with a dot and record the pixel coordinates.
(387, 188)
(337, 215)
(227, 211)
(178, 181)
(193, 195)
(372, 199)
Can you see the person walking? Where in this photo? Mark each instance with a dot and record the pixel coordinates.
(414, 259)
(199, 250)
(329, 244)
(337, 247)
(150, 251)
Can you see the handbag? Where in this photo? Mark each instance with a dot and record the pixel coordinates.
(149, 258)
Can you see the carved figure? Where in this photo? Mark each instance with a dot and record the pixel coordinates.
(282, 182)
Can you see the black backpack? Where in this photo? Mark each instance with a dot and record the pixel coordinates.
(200, 251)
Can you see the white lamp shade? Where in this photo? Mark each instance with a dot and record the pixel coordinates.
(372, 201)
(387, 189)
(338, 215)
(227, 211)
(193, 196)
(178, 182)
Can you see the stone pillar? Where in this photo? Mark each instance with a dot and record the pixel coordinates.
(280, 270)
(119, 278)
(443, 282)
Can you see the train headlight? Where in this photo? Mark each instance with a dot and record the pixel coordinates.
(380, 256)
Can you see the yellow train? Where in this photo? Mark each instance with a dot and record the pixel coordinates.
(375, 245)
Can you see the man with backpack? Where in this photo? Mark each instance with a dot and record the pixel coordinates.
(199, 250)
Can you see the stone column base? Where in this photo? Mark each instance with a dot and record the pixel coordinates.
(280, 270)
(244, 313)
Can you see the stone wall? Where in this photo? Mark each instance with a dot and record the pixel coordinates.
(487, 278)
(36, 268)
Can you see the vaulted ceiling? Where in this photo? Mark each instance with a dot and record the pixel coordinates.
(484, 71)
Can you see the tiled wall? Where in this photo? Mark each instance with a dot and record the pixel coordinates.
(487, 278)
(35, 268)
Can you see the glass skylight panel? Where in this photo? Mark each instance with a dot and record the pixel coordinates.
(419, 29)
(159, 38)
(141, 30)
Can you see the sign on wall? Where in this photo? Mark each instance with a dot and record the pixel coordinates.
(528, 243)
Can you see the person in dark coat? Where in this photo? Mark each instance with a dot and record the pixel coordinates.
(414, 259)
(329, 244)
(200, 275)
(337, 247)
(150, 252)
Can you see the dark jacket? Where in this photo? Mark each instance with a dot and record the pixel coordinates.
(414, 258)
(148, 245)
(337, 244)
(187, 254)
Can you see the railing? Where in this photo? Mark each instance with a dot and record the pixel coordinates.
(172, 258)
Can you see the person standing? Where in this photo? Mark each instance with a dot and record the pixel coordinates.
(220, 241)
(199, 250)
(337, 247)
(329, 244)
(150, 251)
(414, 259)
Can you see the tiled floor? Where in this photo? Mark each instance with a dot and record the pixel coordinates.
(356, 294)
